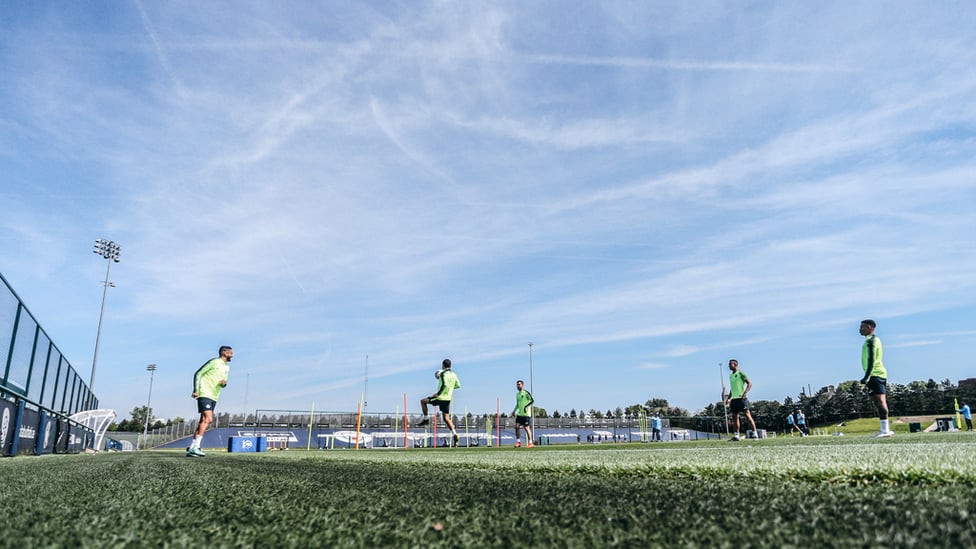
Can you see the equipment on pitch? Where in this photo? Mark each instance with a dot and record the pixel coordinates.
(437, 374)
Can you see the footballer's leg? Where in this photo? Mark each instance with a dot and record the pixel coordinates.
(423, 409)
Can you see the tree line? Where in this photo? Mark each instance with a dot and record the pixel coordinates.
(851, 400)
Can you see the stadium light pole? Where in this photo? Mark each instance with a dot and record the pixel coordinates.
(110, 251)
(145, 433)
(531, 390)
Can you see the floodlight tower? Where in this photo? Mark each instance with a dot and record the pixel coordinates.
(110, 251)
(145, 433)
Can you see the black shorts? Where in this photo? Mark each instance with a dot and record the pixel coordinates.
(877, 385)
(739, 405)
(522, 420)
(443, 405)
(206, 405)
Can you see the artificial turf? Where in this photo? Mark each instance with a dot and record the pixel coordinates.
(811, 492)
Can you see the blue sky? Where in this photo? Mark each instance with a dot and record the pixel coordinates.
(642, 189)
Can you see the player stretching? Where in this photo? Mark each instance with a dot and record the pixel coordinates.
(208, 381)
(522, 413)
(739, 386)
(442, 398)
(875, 374)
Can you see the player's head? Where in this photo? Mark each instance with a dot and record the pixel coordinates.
(225, 352)
(867, 327)
(519, 384)
(446, 364)
(733, 364)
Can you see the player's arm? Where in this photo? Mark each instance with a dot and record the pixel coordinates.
(748, 386)
(199, 375)
(870, 365)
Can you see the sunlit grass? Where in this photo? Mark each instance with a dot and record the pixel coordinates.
(851, 491)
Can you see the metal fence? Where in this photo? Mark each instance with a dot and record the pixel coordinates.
(39, 388)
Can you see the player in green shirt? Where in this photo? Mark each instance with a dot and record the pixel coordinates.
(208, 381)
(740, 385)
(442, 398)
(523, 414)
(875, 374)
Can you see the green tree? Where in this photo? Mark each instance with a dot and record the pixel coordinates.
(676, 412)
(139, 414)
(766, 414)
(657, 406)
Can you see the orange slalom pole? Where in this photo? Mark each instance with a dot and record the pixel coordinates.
(406, 425)
(359, 416)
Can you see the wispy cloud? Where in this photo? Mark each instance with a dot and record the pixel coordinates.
(916, 343)
(449, 180)
(679, 64)
(652, 366)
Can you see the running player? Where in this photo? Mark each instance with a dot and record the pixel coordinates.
(791, 422)
(801, 422)
(208, 381)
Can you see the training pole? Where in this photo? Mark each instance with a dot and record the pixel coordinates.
(405, 425)
(311, 416)
(958, 415)
(498, 420)
(640, 425)
(396, 423)
(725, 408)
(467, 440)
(359, 416)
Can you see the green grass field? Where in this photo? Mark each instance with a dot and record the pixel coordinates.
(849, 491)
